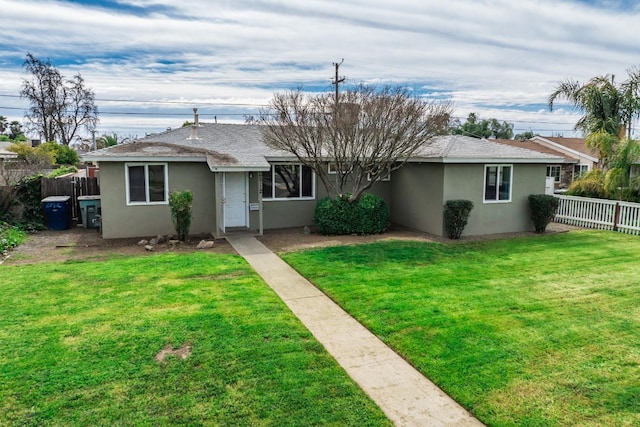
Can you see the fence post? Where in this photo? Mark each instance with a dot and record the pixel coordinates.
(616, 216)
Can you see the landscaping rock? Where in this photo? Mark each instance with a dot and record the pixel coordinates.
(143, 242)
(205, 244)
(306, 230)
(149, 248)
(153, 241)
(161, 239)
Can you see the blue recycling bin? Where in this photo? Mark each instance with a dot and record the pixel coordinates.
(57, 212)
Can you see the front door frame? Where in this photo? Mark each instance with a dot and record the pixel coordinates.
(223, 200)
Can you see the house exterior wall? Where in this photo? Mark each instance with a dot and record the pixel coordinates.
(285, 213)
(419, 192)
(466, 181)
(298, 213)
(120, 220)
(416, 197)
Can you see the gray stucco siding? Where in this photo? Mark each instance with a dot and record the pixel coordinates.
(466, 181)
(120, 220)
(416, 197)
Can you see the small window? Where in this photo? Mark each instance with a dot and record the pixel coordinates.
(146, 183)
(332, 168)
(497, 183)
(554, 171)
(288, 181)
(386, 177)
(579, 170)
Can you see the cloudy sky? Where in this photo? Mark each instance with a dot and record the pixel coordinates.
(150, 62)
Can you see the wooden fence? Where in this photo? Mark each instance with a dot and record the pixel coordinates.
(623, 217)
(72, 187)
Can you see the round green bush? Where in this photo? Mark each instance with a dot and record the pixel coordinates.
(367, 215)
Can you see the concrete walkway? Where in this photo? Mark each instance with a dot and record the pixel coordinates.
(405, 395)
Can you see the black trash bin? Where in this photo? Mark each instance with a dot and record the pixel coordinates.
(57, 212)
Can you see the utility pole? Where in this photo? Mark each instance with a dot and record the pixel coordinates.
(337, 80)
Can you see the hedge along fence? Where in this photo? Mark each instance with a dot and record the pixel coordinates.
(602, 214)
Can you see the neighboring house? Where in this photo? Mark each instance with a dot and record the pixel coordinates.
(5, 155)
(587, 159)
(240, 184)
(576, 157)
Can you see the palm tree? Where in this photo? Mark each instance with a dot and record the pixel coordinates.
(109, 140)
(616, 181)
(619, 183)
(3, 124)
(607, 107)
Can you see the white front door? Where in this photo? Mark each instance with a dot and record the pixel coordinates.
(235, 199)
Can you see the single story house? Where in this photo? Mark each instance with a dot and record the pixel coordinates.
(240, 184)
(576, 157)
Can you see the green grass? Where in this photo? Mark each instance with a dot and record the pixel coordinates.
(10, 237)
(540, 331)
(79, 340)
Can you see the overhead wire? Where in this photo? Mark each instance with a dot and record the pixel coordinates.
(219, 114)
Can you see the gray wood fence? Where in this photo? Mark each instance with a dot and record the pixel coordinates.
(72, 187)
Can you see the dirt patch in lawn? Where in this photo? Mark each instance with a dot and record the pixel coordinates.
(286, 240)
(79, 243)
(181, 352)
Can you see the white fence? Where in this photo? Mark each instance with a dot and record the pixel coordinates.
(599, 213)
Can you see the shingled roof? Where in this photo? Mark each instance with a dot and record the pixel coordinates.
(533, 145)
(465, 149)
(237, 147)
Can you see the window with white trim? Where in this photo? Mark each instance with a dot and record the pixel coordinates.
(332, 168)
(385, 177)
(554, 171)
(578, 170)
(147, 183)
(497, 183)
(288, 181)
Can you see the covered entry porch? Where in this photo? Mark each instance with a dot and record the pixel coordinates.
(238, 203)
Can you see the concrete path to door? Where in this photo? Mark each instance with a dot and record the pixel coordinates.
(403, 394)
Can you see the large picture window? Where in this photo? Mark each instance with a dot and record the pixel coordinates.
(288, 181)
(147, 183)
(497, 183)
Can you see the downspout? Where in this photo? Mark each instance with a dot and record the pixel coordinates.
(260, 219)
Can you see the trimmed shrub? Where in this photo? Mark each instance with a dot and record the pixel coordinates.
(372, 214)
(367, 215)
(180, 204)
(456, 214)
(543, 209)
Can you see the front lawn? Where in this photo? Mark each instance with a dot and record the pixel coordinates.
(539, 331)
(79, 342)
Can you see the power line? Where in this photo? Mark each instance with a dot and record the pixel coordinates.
(149, 101)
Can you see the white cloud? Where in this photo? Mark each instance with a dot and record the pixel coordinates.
(483, 52)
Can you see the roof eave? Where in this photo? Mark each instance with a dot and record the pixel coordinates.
(484, 160)
(565, 148)
(90, 158)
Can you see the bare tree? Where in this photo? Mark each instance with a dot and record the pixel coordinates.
(59, 107)
(368, 134)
